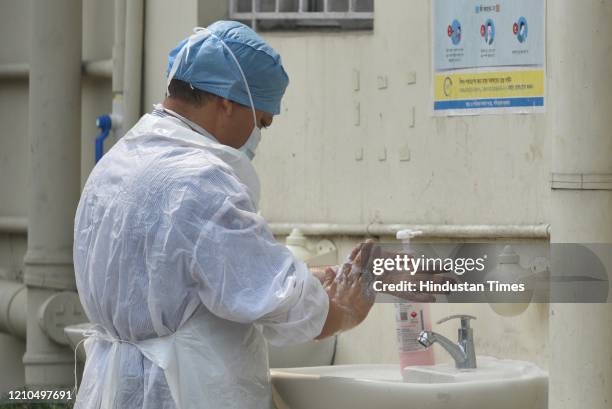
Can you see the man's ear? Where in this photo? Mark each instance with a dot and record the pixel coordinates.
(226, 106)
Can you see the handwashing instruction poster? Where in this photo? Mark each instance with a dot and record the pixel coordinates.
(489, 57)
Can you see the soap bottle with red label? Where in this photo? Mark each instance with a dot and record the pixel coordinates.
(411, 319)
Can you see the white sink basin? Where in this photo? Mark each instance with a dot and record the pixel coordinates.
(499, 384)
(489, 369)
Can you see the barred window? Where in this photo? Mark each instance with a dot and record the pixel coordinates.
(304, 14)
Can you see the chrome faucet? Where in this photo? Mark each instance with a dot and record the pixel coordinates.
(463, 351)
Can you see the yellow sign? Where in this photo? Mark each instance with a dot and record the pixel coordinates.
(496, 84)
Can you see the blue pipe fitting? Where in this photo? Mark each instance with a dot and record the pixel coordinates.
(105, 123)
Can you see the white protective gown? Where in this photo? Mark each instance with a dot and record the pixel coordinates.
(182, 276)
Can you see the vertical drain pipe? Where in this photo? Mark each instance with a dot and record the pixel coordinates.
(117, 114)
(54, 127)
(132, 75)
(580, 129)
(127, 65)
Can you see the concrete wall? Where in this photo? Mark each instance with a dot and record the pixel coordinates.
(488, 169)
(166, 24)
(14, 154)
(465, 170)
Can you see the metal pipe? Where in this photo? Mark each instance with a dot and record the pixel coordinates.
(55, 89)
(13, 313)
(132, 73)
(14, 71)
(540, 231)
(99, 68)
(54, 188)
(118, 64)
(254, 13)
(537, 231)
(96, 68)
(17, 225)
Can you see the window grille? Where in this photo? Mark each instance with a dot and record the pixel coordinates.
(303, 14)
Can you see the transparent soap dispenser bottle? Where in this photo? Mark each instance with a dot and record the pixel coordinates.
(412, 318)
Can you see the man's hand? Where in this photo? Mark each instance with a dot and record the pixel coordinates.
(325, 274)
(349, 302)
(416, 277)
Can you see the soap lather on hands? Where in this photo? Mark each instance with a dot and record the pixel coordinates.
(350, 287)
(346, 286)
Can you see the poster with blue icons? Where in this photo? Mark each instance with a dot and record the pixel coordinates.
(489, 57)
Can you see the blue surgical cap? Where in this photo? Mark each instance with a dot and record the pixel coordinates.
(210, 67)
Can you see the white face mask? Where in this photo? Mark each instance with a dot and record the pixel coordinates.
(251, 143)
